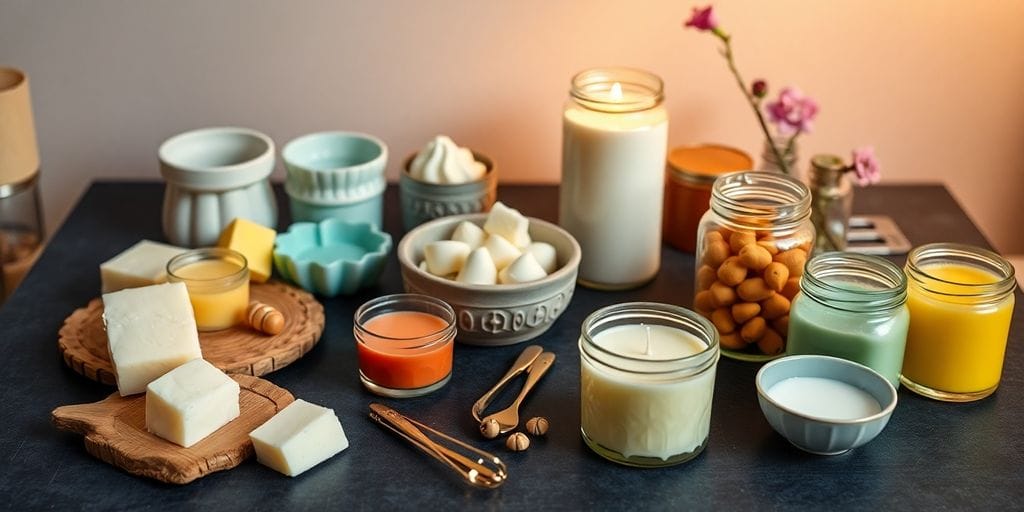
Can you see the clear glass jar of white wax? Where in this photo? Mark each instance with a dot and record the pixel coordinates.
(647, 377)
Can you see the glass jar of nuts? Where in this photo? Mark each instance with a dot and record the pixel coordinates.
(751, 249)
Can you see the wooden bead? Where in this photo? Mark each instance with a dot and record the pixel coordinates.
(517, 442)
(537, 426)
(264, 318)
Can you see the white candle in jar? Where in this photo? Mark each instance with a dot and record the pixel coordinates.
(641, 413)
(614, 140)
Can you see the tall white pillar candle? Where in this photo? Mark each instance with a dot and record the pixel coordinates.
(647, 377)
(614, 140)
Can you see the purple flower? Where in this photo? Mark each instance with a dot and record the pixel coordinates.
(702, 19)
(865, 166)
(792, 112)
(759, 88)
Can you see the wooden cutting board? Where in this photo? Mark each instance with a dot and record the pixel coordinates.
(115, 432)
(240, 349)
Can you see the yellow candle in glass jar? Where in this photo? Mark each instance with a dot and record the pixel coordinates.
(218, 285)
(961, 303)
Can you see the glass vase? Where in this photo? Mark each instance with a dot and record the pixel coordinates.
(769, 160)
(831, 202)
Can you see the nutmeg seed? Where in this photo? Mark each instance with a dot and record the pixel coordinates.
(490, 428)
(537, 425)
(517, 442)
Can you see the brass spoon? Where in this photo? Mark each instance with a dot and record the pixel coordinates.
(508, 418)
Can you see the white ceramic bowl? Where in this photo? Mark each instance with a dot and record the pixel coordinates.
(814, 434)
(500, 314)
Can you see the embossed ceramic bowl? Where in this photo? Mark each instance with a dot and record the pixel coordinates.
(813, 433)
(422, 201)
(331, 257)
(500, 314)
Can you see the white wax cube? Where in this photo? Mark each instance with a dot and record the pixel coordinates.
(545, 254)
(523, 270)
(479, 268)
(150, 331)
(470, 234)
(190, 402)
(508, 223)
(502, 251)
(299, 437)
(445, 256)
(142, 264)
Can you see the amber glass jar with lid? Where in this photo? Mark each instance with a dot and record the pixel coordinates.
(752, 246)
(691, 172)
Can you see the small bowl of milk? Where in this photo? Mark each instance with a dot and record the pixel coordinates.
(824, 405)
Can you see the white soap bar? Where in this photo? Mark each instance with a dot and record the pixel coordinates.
(502, 251)
(445, 256)
(479, 268)
(142, 264)
(545, 254)
(470, 234)
(523, 270)
(299, 437)
(150, 331)
(190, 402)
(508, 223)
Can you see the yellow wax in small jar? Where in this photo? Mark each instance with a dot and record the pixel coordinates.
(218, 286)
(956, 343)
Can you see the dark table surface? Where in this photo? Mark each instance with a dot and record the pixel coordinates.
(932, 454)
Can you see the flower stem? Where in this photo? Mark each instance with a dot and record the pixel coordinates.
(753, 103)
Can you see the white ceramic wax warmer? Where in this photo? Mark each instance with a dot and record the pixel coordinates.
(213, 176)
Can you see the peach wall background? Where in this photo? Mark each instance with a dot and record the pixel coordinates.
(936, 85)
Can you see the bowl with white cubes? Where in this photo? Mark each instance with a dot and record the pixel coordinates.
(508, 277)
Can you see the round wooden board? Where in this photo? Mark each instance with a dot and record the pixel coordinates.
(115, 432)
(240, 349)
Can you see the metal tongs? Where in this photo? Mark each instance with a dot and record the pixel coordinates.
(476, 466)
(535, 362)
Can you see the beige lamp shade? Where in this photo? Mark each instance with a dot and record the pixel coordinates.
(19, 152)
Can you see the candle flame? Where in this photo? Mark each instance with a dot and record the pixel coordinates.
(616, 91)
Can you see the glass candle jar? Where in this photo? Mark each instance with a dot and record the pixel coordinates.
(961, 302)
(614, 139)
(405, 344)
(752, 246)
(852, 306)
(647, 376)
(691, 172)
(218, 285)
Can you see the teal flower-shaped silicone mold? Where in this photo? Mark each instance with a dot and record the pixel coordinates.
(332, 257)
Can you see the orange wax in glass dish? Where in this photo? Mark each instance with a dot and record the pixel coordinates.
(691, 172)
(218, 285)
(405, 344)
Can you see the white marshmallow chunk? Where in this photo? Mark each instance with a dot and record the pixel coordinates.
(523, 270)
(299, 437)
(445, 256)
(545, 254)
(470, 234)
(190, 402)
(509, 223)
(479, 268)
(502, 251)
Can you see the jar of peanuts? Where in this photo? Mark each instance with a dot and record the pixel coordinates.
(752, 245)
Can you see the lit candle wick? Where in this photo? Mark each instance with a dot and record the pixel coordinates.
(616, 91)
(647, 329)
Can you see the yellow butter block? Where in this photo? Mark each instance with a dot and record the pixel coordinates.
(255, 242)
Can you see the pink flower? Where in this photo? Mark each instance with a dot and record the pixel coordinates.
(865, 166)
(792, 112)
(702, 19)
